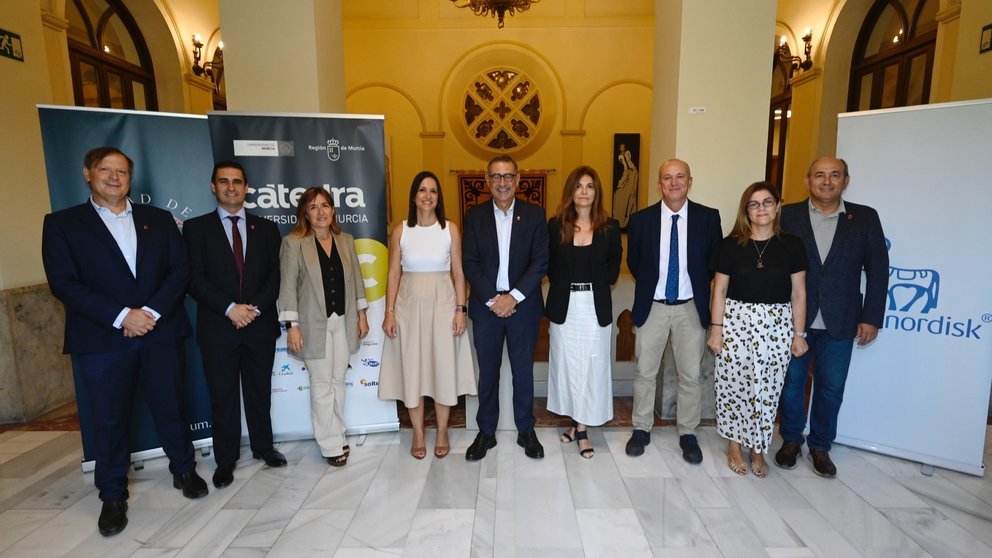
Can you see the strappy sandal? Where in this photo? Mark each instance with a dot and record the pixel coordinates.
(441, 451)
(758, 465)
(739, 467)
(338, 461)
(584, 435)
(346, 449)
(569, 435)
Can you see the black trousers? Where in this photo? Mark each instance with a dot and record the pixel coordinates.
(225, 366)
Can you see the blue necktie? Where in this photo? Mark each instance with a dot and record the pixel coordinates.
(672, 283)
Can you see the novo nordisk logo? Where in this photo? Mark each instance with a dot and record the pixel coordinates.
(916, 291)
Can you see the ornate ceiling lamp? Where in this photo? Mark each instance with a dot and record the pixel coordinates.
(496, 7)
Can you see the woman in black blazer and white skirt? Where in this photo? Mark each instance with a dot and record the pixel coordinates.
(584, 262)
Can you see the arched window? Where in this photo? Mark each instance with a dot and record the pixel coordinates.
(110, 64)
(779, 113)
(893, 56)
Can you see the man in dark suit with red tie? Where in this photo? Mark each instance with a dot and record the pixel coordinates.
(234, 258)
(120, 270)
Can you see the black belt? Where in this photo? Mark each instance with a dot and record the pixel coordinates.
(672, 303)
(581, 287)
(502, 292)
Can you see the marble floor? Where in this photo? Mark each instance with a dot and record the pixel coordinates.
(385, 503)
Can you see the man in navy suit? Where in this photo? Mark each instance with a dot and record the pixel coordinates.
(234, 259)
(669, 245)
(121, 272)
(841, 239)
(505, 257)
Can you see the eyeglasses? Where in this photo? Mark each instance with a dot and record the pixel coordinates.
(766, 203)
(497, 178)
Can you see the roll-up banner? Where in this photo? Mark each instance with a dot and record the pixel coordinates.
(921, 390)
(172, 164)
(283, 155)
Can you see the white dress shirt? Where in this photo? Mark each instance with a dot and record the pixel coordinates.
(685, 286)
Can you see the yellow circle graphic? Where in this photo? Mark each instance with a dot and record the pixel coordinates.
(373, 257)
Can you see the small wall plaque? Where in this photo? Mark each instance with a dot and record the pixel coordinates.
(985, 44)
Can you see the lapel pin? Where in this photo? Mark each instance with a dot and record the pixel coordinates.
(146, 227)
(518, 217)
(252, 227)
(850, 216)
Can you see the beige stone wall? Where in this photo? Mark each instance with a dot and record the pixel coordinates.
(35, 377)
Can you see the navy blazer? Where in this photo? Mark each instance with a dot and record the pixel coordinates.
(833, 285)
(215, 284)
(607, 251)
(88, 273)
(528, 257)
(643, 256)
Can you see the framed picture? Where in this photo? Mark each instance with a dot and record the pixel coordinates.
(986, 43)
(626, 161)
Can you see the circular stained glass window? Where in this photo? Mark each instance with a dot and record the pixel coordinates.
(502, 110)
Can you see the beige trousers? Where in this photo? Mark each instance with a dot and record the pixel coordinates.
(681, 325)
(327, 376)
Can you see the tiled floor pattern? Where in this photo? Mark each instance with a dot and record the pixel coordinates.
(385, 503)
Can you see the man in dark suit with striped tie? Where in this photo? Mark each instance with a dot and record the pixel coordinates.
(234, 259)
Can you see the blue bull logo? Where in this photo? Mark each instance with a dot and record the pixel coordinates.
(916, 290)
(908, 287)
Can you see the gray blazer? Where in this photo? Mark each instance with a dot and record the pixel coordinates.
(301, 292)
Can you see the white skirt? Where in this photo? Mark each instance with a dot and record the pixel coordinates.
(580, 375)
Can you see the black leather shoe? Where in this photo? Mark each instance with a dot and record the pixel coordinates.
(690, 449)
(224, 475)
(532, 446)
(192, 484)
(483, 443)
(788, 454)
(272, 458)
(636, 443)
(113, 517)
(822, 465)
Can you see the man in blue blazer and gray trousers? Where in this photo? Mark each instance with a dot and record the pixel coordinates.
(121, 271)
(669, 245)
(842, 239)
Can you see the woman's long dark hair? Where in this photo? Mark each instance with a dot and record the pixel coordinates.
(411, 220)
(566, 209)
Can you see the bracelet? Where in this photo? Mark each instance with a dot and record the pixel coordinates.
(718, 325)
(289, 325)
(390, 311)
(796, 333)
(461, 308)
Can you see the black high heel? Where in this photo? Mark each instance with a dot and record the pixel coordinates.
(584, 435)
(566, 437)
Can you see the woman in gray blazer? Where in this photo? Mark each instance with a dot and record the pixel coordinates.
(322, 301)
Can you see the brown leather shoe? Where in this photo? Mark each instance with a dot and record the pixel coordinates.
(822, 465)
(787, 455)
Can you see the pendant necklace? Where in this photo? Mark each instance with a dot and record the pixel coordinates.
(761, 264)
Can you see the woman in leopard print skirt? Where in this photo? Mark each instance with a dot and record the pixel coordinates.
(759, 293)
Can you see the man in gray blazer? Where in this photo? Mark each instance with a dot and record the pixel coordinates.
(841, 240)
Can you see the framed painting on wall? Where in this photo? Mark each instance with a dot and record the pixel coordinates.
(627, 154)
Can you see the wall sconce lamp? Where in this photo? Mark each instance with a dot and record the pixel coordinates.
(798, 63)
(211, 68)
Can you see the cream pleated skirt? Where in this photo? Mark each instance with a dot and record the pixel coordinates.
(425, 358)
